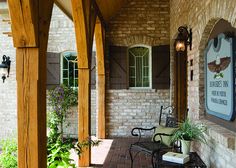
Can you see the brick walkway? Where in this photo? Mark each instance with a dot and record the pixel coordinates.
(118, 156)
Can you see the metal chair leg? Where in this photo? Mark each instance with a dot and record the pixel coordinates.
(130, 153)
(153, 163)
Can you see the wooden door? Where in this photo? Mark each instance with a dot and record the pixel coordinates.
(181, 85)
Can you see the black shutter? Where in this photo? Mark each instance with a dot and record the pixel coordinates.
(118, 67)
(161, 67)
(53, 69)
(93, 70)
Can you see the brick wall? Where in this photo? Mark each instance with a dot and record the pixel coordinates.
(71, 124)
(62, 33)
(127, 109)
(201, 16)
(8, 121)
(140, 22)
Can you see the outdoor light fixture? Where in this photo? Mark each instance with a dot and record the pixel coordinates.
(5, 67)
(183, 39)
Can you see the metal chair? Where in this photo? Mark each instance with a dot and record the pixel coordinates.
(153, 145)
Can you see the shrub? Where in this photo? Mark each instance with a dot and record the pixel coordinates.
(8, 157)
(58, 149)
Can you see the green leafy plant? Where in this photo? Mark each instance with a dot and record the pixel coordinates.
(61, 99)
(59, 153)
(8, 157)
(190, 131)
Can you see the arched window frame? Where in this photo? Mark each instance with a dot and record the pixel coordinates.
(150, 65)
(63, 69)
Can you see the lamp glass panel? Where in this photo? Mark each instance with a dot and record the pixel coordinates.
(3, 71)
(180, 46)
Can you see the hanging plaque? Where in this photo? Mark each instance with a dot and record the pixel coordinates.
(219, 78)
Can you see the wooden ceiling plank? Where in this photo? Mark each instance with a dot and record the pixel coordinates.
(109, 8)
(106, 9)
(66, 11)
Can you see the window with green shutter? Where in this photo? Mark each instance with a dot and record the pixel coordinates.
(139, 67)
(69, 69)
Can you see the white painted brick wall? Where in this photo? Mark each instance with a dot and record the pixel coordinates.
(71, 125)
(62, 33)
(8, 121)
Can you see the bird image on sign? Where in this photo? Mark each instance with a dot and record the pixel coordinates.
(219, 65)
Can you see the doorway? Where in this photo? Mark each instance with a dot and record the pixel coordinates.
(180, 95)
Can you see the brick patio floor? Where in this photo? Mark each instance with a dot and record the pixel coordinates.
(114, 153)
(118, 155)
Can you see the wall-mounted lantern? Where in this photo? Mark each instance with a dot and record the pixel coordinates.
(5, 67)
(183, 39)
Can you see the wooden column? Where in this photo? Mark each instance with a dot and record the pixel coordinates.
(30, 25)
(84, 18)
(99, 35)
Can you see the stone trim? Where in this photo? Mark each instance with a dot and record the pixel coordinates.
(140, 39)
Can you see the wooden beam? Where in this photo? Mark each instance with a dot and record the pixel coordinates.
(9, 34)
(99, 36)
(31, 84)
(24, 15)
(99, 14)
(101, 106)
(84, 17)
(84, 114)
(7, 21)
(45, 15)
(27, 98)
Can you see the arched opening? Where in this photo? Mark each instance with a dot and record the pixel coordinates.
(212, 30)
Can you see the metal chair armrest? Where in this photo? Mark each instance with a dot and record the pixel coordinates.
(137, 131)
(160, 135)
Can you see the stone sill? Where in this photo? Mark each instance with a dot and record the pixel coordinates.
(135, 90)
(220, 134)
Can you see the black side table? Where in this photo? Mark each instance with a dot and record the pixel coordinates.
(194, 162)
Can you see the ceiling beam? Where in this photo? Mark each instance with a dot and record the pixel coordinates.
(99, 14)
(67, 12)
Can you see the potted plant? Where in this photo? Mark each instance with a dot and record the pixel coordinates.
(189, 131)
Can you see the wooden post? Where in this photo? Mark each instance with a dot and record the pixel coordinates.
(30, 26)
(99, 35)
(84, 17)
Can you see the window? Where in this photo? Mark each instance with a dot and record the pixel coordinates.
(69, 69)
(139, 67)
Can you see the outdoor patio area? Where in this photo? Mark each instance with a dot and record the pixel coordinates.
(117, 70)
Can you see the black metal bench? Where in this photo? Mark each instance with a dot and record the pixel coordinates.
(153, 145)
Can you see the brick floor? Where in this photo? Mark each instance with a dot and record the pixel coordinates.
(118, 156)
(114, 153)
